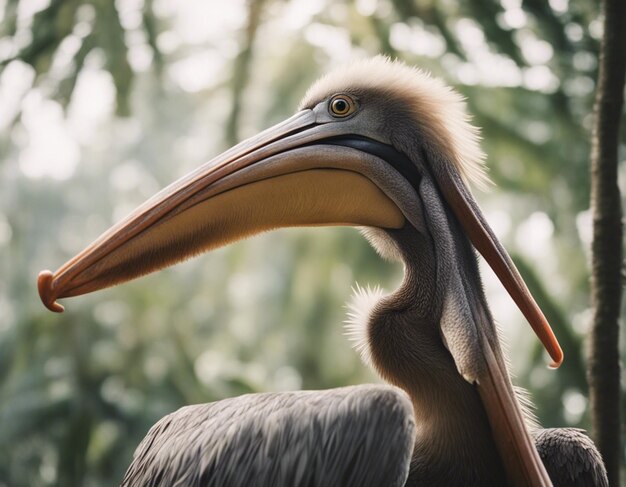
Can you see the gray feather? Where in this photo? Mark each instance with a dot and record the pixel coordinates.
(351, 436)
(571, 458)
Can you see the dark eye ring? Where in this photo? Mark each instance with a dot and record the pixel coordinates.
(341, 106)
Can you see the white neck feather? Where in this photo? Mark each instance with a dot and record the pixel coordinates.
(356, 325)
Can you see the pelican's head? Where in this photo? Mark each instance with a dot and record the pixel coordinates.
(374, 144)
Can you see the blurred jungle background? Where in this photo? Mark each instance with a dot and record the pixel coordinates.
(103, 103)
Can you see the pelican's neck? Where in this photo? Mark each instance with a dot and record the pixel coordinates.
(404, 345)
(407, 349)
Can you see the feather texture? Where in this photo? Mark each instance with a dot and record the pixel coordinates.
(571, 458)
(356, 325)
(353, 436)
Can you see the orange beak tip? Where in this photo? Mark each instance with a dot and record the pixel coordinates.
(555, 365)
(556, 362)
(45, 285)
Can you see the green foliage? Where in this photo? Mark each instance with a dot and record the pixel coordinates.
(78, 391)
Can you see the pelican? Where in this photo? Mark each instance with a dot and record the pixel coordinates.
(388, 148)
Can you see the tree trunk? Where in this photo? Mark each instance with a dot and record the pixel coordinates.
(606, 259)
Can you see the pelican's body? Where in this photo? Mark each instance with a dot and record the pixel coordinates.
(352, 436)
(386, 147)
(358, 436)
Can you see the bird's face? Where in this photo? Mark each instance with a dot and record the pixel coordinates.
(376, 145)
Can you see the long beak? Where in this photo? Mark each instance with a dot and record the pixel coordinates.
(276, 179)
(309, 172)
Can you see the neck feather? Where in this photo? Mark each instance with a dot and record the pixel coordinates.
(398, 335)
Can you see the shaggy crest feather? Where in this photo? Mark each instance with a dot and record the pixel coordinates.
(429, 97)
(356, 324)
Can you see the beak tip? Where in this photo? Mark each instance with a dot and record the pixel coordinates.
(45, 285)
(557, 359)
(555, 364)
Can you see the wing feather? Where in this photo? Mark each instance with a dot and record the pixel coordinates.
(351, 436)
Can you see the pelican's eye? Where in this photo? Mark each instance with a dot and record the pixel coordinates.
(341, 106)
